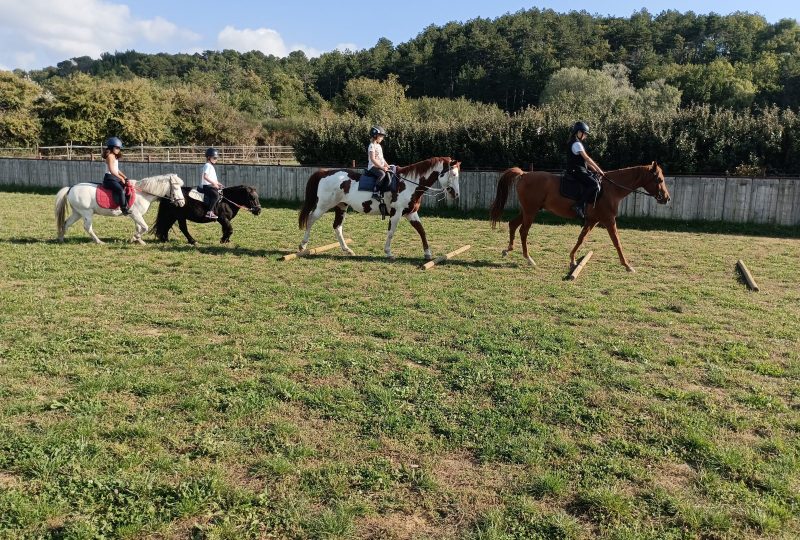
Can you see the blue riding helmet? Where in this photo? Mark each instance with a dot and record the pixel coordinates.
(377, 130)
(114, 142)
(580, 126)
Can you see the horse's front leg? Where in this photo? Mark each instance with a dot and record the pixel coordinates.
(413, 218)
(227, 229)
(614, 234)
(338, 222)
(141, 227)
(581, 237)
(393, 221)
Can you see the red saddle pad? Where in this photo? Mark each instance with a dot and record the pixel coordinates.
(105, 197)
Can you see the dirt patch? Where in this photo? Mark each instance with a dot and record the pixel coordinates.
(674, 477)
(9, 481)
(397, 526)
(470, 489)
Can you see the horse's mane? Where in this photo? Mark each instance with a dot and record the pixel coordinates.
(418, 169)
(156, 185)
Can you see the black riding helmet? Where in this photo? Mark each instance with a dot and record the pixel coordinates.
(580, 126)
(114, 142)
(212, 152)
(376, 130)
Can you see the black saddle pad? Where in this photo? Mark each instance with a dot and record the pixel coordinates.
(572, 188)
(367, 183)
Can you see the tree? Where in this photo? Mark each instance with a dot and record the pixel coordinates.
(19, 125)
(378, 101)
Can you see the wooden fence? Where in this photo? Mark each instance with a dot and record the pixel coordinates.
(261, 155)
(732, 199)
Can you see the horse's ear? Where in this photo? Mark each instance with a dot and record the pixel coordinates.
(654, 166)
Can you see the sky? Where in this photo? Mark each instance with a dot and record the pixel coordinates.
(40, 33)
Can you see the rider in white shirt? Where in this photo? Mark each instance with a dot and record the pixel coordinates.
(209, 184)
(377, 166)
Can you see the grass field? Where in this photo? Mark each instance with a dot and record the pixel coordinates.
(171, 392)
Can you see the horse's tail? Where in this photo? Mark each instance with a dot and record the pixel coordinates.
(61, 210)
(503, 185)
(311, 199)
(164, 221)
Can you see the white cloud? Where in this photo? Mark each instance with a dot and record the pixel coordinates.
(34, 33)
(265, 40)
(268, 41)
(346, 47)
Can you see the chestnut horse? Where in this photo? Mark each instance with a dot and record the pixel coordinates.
(538, 190)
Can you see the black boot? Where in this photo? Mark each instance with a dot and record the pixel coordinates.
(579, 209)
(383, 209)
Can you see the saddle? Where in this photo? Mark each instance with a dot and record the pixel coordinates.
(367, 182)
(105, 197)
(572, 188)
(197, 195)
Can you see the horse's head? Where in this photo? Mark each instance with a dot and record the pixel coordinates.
(448, 178)
(175, 191)
(253, 202)
(655, 185)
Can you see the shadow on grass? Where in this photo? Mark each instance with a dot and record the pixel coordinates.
(408, 261)
(219, 250)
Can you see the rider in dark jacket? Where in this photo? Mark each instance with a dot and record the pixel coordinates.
(579, 165)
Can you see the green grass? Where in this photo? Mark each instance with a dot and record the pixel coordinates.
(166, 391)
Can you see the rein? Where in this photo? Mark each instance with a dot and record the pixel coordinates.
(239, 206)
(429, 190)
(632, 190)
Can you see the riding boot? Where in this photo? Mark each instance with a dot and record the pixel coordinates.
(383, 209)
(580, 210)
(123, 205)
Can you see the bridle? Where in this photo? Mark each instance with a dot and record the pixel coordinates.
(655, 178)
(251, 209)
(430, 190)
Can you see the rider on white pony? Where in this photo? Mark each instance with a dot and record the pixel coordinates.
(114, 180)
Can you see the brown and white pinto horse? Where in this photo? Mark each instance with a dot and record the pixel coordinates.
(338, 189)
(537, 190)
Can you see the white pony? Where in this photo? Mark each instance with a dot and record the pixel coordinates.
(338, 189)
(83, 200)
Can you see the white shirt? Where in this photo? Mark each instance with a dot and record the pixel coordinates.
(208, 170)
(377, 151)
(114, 167)
(577, 148)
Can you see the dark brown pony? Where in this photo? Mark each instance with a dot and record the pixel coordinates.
(540, 190)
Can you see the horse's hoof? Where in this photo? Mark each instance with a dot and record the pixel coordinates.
(391, 257)
(506, 252)
(530, 261)
(630, 269)
(141, 242)
(349, 252)
(428, 256)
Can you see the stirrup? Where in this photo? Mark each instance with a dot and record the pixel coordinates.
(377, 196)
